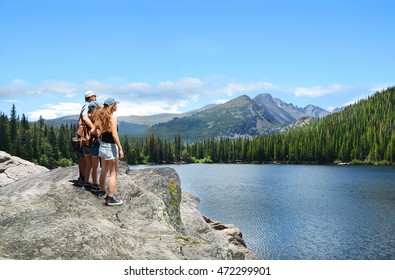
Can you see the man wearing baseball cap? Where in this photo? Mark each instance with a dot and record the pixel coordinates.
(88, 94)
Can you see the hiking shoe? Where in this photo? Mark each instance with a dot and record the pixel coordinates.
(95, 188)
(79, 182)
(86, 186)
(101, 194)
(112, 201)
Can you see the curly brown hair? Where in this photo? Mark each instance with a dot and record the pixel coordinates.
(102, 117)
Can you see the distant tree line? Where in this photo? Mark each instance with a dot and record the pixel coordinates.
(36, 142)
(361, 133)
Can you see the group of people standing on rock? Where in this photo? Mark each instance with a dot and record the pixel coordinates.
(106, 149)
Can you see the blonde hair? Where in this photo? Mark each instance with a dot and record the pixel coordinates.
(102, 117)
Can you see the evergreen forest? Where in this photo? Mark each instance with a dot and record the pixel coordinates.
(362, 133)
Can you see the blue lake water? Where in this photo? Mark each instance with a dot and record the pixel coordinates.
(308, 212)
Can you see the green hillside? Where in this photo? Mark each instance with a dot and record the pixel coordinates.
(237, 117)
(361, 133)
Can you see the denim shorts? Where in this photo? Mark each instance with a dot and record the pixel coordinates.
(108, 151)
(92, 150)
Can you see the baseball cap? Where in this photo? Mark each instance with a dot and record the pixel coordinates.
(93, 105)
(109, 101)
(89, 93)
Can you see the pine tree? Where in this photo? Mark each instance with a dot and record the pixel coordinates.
(5, 133)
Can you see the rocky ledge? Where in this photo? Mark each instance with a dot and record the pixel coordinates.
(44, 215)
(13, 168)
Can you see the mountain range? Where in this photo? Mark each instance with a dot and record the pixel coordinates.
(241, 116)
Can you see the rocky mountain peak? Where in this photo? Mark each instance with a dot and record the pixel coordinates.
(315, 112)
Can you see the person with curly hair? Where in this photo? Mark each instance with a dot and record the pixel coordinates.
(110, 150)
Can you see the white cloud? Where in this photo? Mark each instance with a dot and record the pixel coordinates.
(194, 97)
(317, 91)
(45, 113)
(137, 98)
(136, 87)
(239, 87)
(55, 87)
(71, 95)
(19, 87)
(13, 89)
(52, 111)
(186, 86)
(11, 100)
(127, 108)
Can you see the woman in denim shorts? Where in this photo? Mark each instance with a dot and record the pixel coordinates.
(110, 150)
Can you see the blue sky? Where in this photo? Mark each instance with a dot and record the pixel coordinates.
(174, 56)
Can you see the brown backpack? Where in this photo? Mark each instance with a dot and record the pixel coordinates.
(84, 137)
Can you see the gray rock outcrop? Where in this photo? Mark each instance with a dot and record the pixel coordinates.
(13, 168)
(46, 216)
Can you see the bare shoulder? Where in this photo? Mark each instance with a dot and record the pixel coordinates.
(114, 123)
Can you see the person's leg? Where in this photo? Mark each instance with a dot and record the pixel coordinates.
(95, 168)
(113, 177)
(88, 167)
(103, 174)
(81, 166)
(110, 199)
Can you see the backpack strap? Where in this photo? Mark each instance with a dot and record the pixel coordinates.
(81, 128)
(80, 121)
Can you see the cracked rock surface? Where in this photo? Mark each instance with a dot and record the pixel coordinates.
(12, 168)
(44, 215)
